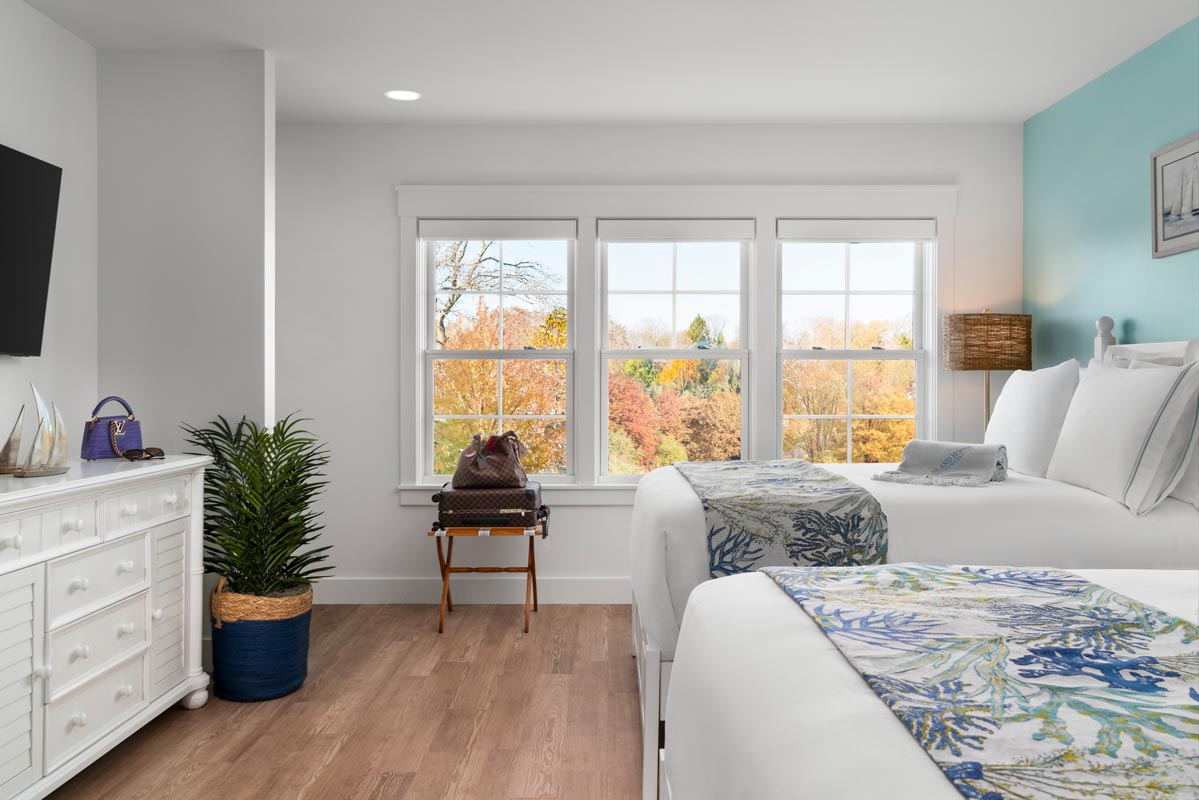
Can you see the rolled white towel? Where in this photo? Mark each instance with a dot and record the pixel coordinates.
(949, 464)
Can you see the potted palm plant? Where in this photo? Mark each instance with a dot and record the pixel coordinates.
(259, 531)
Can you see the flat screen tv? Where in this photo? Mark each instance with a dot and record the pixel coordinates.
(28, 216)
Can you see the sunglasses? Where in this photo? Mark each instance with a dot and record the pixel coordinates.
(142, 454)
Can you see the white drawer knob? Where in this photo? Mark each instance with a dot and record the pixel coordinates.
(77, 525)
(41, 673)
(125, 691)
(82, 651)
(78, 721)
(171, 499)
(156, 613)
(129, 510)
(124, 566)
(126, 629)
(80, 585)
(12, 541)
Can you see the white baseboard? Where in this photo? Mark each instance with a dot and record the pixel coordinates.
(472, 589)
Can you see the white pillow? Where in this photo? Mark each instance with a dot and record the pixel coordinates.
(1128, 433)
(1028, 415)
(1187, 489)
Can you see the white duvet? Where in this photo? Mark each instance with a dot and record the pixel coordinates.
(1023, 521)
(763, 706)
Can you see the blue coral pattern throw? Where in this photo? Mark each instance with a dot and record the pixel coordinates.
(788, 512)
(1021, 684)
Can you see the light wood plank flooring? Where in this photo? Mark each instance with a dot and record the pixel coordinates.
(392, 710)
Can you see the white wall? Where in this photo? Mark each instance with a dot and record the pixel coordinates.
(338, 297)
(188, 146)
(48, 110)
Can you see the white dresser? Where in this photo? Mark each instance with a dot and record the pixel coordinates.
(100, 612)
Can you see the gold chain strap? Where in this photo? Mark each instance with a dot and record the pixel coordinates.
(112, 431)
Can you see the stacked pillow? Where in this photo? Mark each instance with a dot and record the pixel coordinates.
(1129, 433)
(1029, 413)
(1127, 429)
(1187, 489)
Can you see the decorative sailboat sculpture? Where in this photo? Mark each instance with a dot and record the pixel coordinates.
(8, 454)
(48, 455)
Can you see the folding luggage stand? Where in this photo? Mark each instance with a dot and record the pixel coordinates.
(443, 560)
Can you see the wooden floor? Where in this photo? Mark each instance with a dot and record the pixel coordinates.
(392, 710)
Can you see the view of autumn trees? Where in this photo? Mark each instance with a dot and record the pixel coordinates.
(511, 296)
(680, 409)
(487, 395)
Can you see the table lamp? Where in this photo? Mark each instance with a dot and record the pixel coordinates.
(985, 342)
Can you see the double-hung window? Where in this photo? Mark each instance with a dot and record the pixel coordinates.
(498, 353)
(853, 352)
(674, 354)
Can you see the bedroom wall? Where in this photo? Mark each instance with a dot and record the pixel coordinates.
(48, 110)
(1087, 194)
(186, 230)
(338, 298)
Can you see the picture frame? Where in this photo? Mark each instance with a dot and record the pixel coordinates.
(1175, 181)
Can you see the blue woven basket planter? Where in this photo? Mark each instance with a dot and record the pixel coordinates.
(259, 659)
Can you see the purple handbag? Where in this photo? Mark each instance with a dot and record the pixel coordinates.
(110, 437)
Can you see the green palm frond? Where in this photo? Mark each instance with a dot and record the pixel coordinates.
(259, 524)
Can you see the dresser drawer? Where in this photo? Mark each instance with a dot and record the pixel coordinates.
(84, 582)
(83, 649)
(144, 506)
(29, 533)
(80, 718)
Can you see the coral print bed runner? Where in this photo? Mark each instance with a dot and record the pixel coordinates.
(789, 512)
(1020, 684)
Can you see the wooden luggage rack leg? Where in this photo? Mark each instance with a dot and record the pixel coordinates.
(444, 562)
(447, 600)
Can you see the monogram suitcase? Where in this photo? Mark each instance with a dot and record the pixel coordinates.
(517, 507)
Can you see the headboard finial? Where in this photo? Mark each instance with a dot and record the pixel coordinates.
(1104, 325)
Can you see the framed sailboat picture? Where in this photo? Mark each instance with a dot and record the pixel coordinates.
(1176, 197)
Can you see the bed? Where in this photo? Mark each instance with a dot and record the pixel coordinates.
(1024, 521)
(736, 738)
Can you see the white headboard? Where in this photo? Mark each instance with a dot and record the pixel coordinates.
(1106, 348)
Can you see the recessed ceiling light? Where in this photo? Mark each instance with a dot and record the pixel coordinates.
(402, 94)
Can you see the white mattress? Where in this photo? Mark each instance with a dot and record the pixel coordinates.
(1023, 521)
(763, 706)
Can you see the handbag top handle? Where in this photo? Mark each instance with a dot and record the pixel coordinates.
(109, 399)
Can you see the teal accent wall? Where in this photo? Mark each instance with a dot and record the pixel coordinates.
(1087, 218)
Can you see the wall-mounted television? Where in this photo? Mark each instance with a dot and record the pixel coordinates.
(28, 217)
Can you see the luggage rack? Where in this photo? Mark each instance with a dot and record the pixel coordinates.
(444, 559)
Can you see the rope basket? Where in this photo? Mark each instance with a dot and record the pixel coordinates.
(229, 606)
(259, 644)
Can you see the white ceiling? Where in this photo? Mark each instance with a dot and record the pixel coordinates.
(653, 60)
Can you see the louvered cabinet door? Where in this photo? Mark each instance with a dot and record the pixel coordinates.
(22, 627)
(168, 575)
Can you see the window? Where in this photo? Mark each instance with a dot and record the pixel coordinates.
(498, 354)
(674, 352)
(853, 356)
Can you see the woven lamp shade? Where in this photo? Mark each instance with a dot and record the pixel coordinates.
(988, 341)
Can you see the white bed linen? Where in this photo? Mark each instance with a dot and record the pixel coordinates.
(763, 706)
(1023, 521)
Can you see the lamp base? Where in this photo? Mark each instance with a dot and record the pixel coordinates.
(986, 398)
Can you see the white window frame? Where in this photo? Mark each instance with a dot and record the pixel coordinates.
(673, 232)
(497, 231)
(852, 232)
(583, 207)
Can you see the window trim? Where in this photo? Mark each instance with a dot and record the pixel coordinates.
(584, 205)
(922, 333)
(430, 353)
